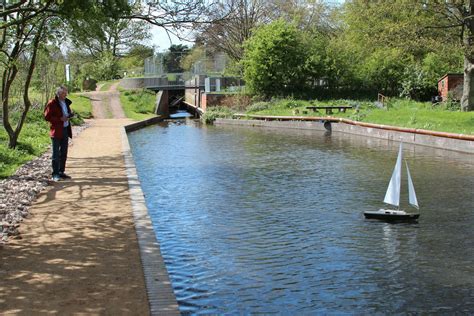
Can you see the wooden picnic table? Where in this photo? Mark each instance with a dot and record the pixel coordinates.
(340, 108)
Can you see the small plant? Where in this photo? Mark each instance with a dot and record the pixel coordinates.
(358, 116)
(451, 104)
(291, 104)
(259, 106)
(216, 112)
(428, 126)
(413, 119)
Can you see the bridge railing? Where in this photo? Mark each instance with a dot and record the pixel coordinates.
(168, 80)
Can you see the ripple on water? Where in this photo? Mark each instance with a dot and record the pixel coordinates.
(257, 221)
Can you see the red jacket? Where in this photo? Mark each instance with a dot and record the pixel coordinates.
(53, 114)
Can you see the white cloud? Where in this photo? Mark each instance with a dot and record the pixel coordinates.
(161, 40)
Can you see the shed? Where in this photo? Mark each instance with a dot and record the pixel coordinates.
(451, 82)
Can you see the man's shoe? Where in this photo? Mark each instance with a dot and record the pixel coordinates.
(56, 177)
(64, 176)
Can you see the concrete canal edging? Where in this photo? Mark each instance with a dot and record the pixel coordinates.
(161, 297)
(465, 145)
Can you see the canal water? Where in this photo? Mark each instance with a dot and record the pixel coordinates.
(270, 221)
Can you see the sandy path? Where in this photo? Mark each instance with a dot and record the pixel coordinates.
(79, 252)
(106, 104)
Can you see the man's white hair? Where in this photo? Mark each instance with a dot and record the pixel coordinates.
(60, 89)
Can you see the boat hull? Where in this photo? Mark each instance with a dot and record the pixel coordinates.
(391, 215)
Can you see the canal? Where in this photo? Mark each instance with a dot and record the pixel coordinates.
(270, 221)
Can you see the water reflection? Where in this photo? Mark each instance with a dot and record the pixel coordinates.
(270, 221)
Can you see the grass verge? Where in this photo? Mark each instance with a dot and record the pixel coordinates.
(138, 104)
(32, 142)
(81, 105)
(397, 112)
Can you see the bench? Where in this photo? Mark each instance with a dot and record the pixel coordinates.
(341, 108)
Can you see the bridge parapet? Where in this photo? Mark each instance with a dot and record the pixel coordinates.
(173, 81)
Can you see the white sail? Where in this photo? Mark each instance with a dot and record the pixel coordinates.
(392, 196)
(411, 190)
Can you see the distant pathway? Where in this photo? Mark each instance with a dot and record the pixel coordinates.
(106, 104)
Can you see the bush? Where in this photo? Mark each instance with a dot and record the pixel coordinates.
(259, 106)
(216, 112)
(451, 104)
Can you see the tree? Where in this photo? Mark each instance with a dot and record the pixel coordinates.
(311, 16)
(458, 15)
(173, 57)
(25, 22)
(99, 36)
(48, 76)
(387, 39)
(134, 61)
(229, 33)
(274, 60)
(21, 36)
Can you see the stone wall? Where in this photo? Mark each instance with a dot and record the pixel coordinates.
(466, 146)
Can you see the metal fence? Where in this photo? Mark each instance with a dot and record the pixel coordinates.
(157, 65)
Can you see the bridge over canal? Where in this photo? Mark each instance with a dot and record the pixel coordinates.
(185, 91)
(193, 91)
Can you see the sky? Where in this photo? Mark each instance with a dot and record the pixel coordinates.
(162, 42)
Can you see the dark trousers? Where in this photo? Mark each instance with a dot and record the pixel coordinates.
(60, 153)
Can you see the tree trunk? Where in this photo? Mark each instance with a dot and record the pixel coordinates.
(26, 98)
(467, 100)
(8, 77)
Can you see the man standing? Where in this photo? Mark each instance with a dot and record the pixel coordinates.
(57, 113)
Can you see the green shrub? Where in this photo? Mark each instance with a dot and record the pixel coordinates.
(216, 112)
(292, 104)
(451, 104)
(259, 106)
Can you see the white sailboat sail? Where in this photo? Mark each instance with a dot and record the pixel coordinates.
(392, 196)
(411, 190)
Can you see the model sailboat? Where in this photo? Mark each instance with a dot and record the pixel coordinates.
(392, 196)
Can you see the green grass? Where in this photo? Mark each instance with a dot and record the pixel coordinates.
(33, 141)
(81, 105)
(399, 112)
(138, 104)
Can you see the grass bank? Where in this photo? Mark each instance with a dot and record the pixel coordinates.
(138, 104)
(34, 138)
(81, 105)
(397, 112)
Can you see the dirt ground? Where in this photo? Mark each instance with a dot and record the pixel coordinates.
(79, 253)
